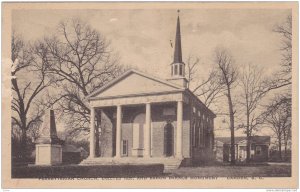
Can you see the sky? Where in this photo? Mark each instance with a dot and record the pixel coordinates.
(142, 37)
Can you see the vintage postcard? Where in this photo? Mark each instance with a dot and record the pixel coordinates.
(150, 95)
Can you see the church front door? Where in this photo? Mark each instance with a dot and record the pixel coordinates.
(169, 140)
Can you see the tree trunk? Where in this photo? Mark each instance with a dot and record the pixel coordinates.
(285, 145)
(231, 114)
(23, 144)
(285, 152)
(248, 138)
(279, 147)
(248, 148)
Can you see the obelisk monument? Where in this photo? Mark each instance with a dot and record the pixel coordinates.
(48, 146)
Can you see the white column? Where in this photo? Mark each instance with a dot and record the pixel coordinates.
(118, 131)
(147, 134)
(179, 129)
(92, 133)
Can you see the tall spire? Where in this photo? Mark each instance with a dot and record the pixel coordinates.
(178, 66)
(177, 51)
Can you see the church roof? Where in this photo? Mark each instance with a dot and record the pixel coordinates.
(135, 82)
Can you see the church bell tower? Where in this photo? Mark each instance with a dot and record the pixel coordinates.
(178, 66)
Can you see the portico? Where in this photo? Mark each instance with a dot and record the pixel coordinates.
(175, 98)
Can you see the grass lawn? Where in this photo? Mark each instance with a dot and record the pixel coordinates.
(88, 171)
(125, 171)
(232, 171)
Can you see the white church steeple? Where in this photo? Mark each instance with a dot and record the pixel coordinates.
(178, 66)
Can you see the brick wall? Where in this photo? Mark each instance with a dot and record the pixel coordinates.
(202, 135)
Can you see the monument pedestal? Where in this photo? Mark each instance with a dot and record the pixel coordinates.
(48, 154)
(48, 147)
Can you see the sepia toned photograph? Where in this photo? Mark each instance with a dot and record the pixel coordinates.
(150, 95)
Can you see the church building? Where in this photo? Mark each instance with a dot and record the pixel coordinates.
(152, 120)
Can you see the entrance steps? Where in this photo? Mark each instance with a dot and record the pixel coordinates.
(169, 163)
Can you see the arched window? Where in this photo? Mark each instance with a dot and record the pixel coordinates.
(172, 70)
(194, 134)
(200, 127)
(176, 70)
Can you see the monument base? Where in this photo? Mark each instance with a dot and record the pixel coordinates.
(48, 154)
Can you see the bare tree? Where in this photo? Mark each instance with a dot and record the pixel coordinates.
(227, 76)
(209, 89)
(28, 81)
(192, 67)
(283, 78)
(251, 82)
(285, 31)
(81, 61)
(34, 130)
(16, 144)
(278, 116)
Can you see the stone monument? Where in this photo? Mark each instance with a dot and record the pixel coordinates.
(48, 146)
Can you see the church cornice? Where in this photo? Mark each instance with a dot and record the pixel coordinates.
(139, 99)
(137, 95)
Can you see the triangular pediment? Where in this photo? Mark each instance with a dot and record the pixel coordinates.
(134, 83)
